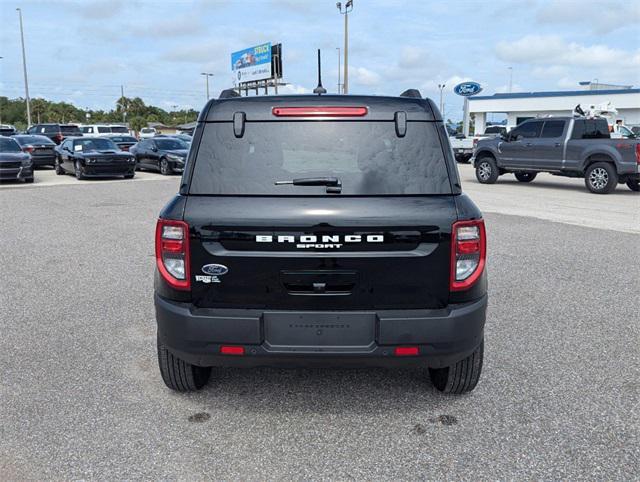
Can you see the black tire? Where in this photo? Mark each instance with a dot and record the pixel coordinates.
(463, 159)
(58, 168)
(461, 377)
(28, 180)
(633, 184)
(165, 167)
(526, 176)
(78, 171)
(179, 375)
(601, 178)
(486, 170)
(129, 176)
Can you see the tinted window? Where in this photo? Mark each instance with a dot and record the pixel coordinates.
(494, 130)
(170, 144)
(70, 130)
(23, 140)
(104, 130)
(147, 130)
(49, 129)
(86, 145)
(9, 145)
(119, 130)
(553, 129)
(590, 129)
(528, 130)
(368, 157)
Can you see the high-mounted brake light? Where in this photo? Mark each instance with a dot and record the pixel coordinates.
(468, 253)
(172, 253)
(328, 111)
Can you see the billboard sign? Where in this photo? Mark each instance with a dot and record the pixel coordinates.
(252, 64)
(467, 89)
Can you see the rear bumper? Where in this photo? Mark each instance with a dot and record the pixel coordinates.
(443, 336)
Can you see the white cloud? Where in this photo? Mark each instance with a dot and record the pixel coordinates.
(293, 89)
(364, 76)
(554, 50)
(595, 16)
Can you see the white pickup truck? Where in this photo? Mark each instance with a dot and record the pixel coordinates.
(463, 146)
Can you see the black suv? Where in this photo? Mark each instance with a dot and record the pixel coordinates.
(56, 132)
(321, 230)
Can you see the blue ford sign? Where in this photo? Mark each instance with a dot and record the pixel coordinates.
(467, 89)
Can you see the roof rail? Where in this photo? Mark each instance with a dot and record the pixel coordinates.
(228, 94)
(414, 93)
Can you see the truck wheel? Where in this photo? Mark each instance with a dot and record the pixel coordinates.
(179, 375)
(633, 184)
(526, 176)
(487, 170)
(601, 178)
(461, 377)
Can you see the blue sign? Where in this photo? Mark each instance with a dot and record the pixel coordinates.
(252, 64)
(467, 89)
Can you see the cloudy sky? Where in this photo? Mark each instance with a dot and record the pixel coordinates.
(82, 51)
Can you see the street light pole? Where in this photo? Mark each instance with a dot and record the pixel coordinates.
(206, 76)
(24, 67)
(348, 7)
(441, 87)
(338, 49)
(510, 79)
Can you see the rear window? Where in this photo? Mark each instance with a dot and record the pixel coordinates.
(590, 129)
(147, 130)
(123, 139)
(119, 130)
(104, 130)
(368, 158)
(70, 130)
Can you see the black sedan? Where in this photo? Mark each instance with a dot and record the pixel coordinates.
(41, 148)
(93, 157)
(15, 164)
(164, 154)
(124, 142)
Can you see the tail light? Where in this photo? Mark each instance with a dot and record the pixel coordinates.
(468, 253)
(638, 153)
(28, 149)
(319, 111)
(172, 253)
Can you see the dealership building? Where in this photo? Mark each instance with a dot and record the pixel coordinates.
(520, 106)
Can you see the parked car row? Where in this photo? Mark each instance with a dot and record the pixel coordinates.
(90, 156)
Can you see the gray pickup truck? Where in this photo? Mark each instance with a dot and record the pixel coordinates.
(563, 146)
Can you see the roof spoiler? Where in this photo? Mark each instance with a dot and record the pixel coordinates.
(413, 93)
(228, 94)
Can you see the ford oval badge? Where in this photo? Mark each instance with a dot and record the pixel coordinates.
(467, 89)
(215, 269)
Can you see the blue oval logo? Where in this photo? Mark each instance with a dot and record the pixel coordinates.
(215, 269)
(467, 89)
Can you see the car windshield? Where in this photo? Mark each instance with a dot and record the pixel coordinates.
(367, 157)
(147, 130)
(170, 144)
(87, 145)
(119, 130)
(24, 140)
(9, 145)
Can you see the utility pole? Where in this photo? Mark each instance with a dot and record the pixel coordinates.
(338, 49)
(510, 79)
(206, 76)
(24, 67)
(441, 87)
(348, 7)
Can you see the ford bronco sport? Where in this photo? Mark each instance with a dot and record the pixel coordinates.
(321, 230)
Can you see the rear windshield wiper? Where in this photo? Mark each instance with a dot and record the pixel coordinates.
(333, 183)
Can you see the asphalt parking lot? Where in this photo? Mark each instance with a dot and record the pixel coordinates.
(81, 395)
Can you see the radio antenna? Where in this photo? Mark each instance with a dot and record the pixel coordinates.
(319, 90)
